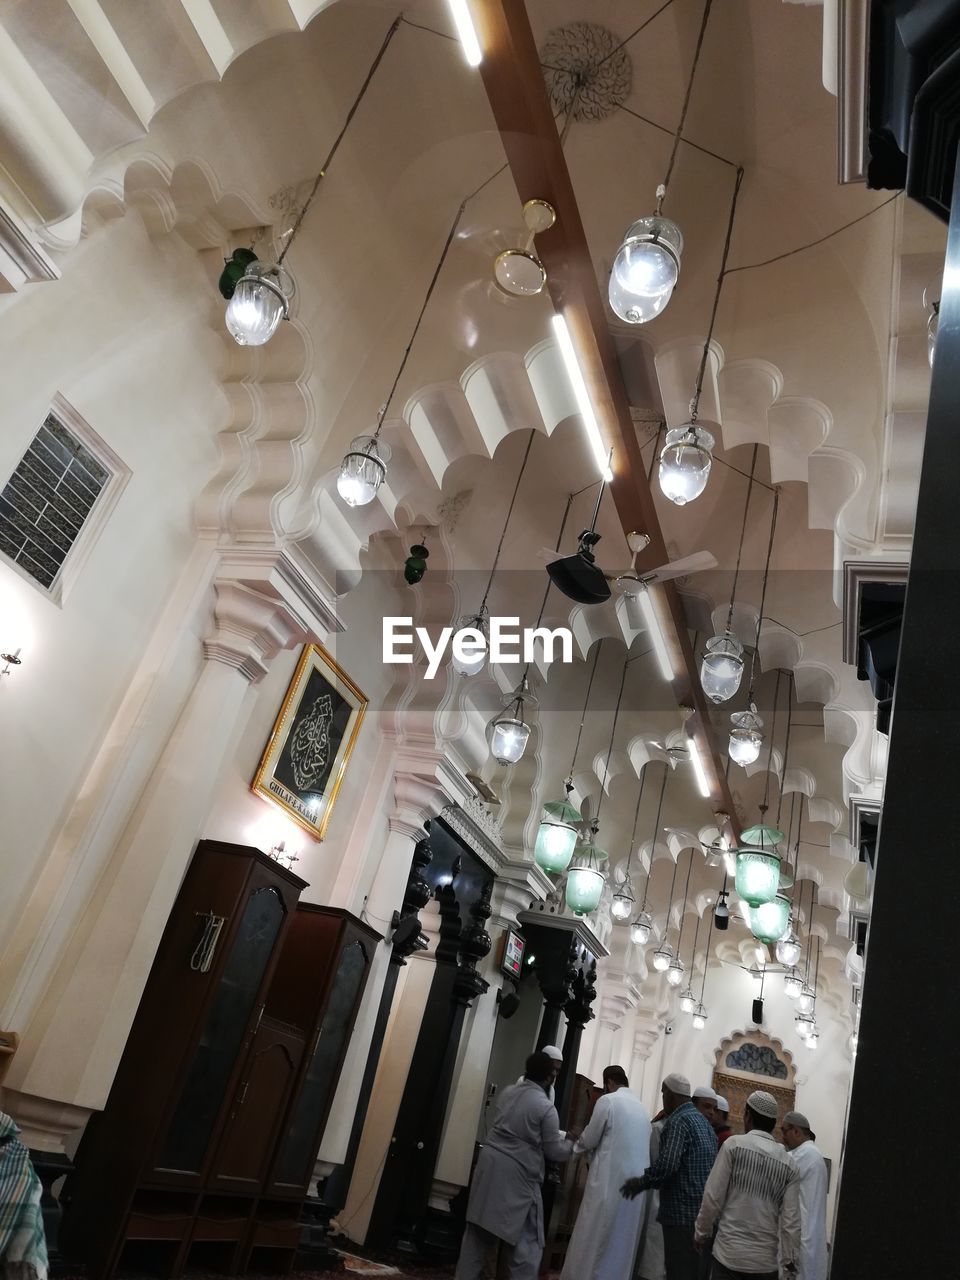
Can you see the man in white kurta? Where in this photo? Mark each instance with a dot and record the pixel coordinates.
(505, 1208)
(798, 1139)
(604, 1241)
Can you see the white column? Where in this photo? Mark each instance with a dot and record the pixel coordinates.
(73, 1042)
(510, 896)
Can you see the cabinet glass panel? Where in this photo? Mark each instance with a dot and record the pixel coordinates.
(209, 1074)
(298, 1152)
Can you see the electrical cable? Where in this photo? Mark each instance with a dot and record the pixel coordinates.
(394, 27)
(695, 404)
(683, 909)
(656, 828)
(613, 732)
(662, 189)
(763, 592)
(503, 533)
(743, 531)
(586, 702)
(786, 746)
(773, 730)
(752, 266)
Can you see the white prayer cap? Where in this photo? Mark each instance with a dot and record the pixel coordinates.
(723, 1104)
(553, 1052)
(763, 1103)
(677, 1084)
(797, 1119)
(704, 1091)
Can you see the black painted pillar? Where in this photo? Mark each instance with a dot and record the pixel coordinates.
(897, 1205)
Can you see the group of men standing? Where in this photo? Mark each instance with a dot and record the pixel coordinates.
(731, 1207)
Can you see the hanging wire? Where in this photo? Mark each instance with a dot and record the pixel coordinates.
(613, 731)
(696, 938)
(813, 890)
(656, 828)
(586, 703)
(773, 730)
(291, 235)
(743, 531)
(516, 489)
(636, 818)
(662, 189)
(683, 909)
(786, 746)
(793, 805)
(763, 590)
(706, 958)
(695, 403)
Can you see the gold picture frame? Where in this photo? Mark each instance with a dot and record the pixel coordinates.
(306, 756)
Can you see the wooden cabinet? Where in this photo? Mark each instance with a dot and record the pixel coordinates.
(205, 1150)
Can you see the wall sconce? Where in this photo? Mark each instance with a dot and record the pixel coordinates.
(10, 660)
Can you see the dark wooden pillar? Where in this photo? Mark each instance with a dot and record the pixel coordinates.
(897, 1202)
(579, 1012)
(399, 1219)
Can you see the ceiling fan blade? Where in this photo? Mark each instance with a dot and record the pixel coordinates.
(697, 563)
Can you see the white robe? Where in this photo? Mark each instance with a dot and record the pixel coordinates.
(604, 1240)
(813, 1212)
(651, 1264)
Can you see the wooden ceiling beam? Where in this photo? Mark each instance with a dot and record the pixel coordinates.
(514, 83)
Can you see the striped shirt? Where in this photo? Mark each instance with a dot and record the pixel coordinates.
(688, 1148)
(754, 1190)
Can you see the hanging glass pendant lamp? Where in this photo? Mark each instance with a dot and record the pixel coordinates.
(259, 293)
(700, 1017)
(585, 880)
(640, 929)
(804, 1025)
(557, 835)
(647, 264)
(769, 920)
(792, 984)
(646, 267)
(685, 462)
(675, 972)
(363, 470)
(806, 999)
(509, 731)
(746, 738)
(758, 864)
(259, 300)
(722, 667)
(688, 1001)
(662, 958)
(623, 903)
(788, 948)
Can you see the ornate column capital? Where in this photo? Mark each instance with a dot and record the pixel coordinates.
(250, 629)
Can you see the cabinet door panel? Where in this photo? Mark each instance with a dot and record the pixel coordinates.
(208, 1077)
(299, 1147)
(249, 1137)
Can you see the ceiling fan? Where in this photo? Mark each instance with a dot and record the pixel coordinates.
(579, 577)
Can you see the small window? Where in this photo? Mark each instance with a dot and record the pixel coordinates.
(61, 489)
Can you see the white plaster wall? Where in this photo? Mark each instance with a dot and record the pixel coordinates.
(124, 336)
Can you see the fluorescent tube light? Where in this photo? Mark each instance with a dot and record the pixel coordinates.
(584, 403)
(697, 762)
(460, 11)
(656, 634)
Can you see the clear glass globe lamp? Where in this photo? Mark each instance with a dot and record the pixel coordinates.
(688, 1001)
(622, 903)
(806, 999)
(662, 958)
(363, 470)
(685, 462)
(804, 1024)
(746, 738)
(675, 972)
(556, 836)
(699, 1018)
(261, 299)
(788, 949)
(758, 876)
(584, 886)
(769, 920)
(813, 1039)
(645, 269)
(792, 984)
(509, 731)
(722, 667)
(472, 664)
(640, 929)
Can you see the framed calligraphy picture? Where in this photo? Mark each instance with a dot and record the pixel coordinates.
(305, 759)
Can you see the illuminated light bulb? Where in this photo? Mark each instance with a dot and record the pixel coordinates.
(661, 959)
(640, 929)
(699, 1018)
(806, 999)
(722, 667)
(685, 462)
(260, 300)
(363, 470)
(556, 837)
(792, 984)
(645, 270)
(688, 1001)
(675, 972)
(745, 737)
